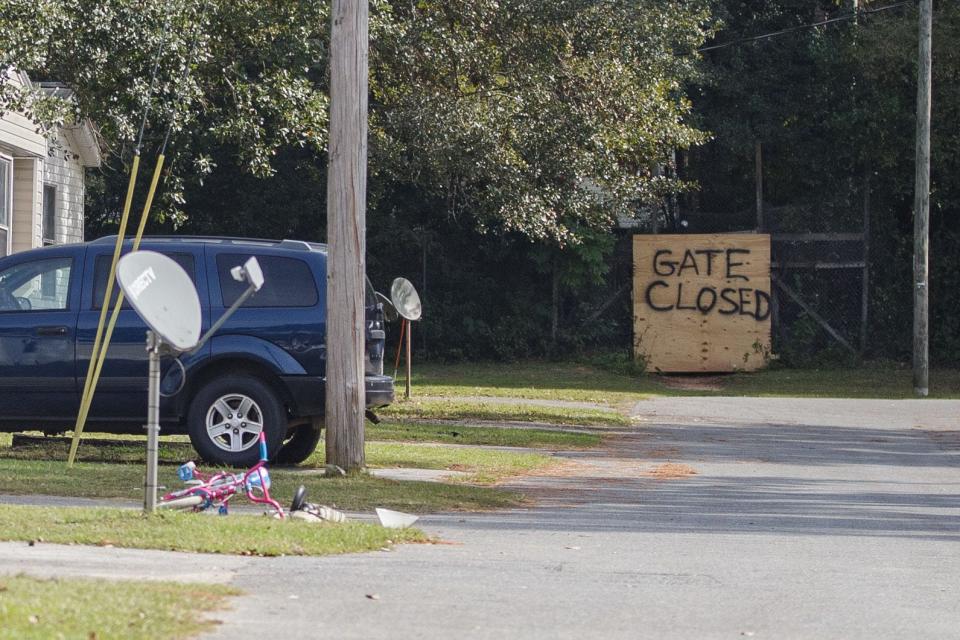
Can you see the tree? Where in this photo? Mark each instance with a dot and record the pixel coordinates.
(521, 127)
(530, 117)
(830, 103)
(230, 74)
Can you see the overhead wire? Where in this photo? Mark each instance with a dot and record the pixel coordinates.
(773, 34)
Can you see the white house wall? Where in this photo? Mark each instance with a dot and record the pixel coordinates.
(63, 169)
(18, 135)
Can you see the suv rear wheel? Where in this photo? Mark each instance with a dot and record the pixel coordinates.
(227, 415)
(301, 443)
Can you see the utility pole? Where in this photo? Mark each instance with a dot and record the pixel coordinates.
(921, 207)
(346, 233)
(758, 152)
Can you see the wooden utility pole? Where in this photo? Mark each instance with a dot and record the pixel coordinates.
(921, 207)
(346, 233)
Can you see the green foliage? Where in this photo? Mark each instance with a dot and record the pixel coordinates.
(537, 118)
(809, 346)
(505, 136)
(541, 120)
(619, 362)
(237, 74)
(831, 104)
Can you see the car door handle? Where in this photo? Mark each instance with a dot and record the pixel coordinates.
(51, 331)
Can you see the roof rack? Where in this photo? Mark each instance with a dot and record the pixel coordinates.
(190, 238)
(298, 245)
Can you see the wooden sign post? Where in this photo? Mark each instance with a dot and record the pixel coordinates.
(702, 302)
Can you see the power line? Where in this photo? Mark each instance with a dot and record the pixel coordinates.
(774, 34)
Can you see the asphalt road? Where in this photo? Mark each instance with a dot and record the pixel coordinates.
(713, 518)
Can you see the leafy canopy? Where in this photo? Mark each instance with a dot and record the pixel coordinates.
(530, 117)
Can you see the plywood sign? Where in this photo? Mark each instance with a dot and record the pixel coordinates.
(702, 302)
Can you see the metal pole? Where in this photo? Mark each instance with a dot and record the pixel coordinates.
(153, 423)
(921, 208)
(409, 333)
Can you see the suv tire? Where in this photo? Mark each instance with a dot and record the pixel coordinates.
(302, 442)
(250, 405)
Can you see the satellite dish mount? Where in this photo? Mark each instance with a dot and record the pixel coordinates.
(163, 295)
(406, 301)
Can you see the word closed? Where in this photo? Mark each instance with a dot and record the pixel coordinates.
(702, 302)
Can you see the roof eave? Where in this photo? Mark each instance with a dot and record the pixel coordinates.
(86, 141)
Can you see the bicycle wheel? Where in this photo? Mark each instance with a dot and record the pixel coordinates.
(181, 503)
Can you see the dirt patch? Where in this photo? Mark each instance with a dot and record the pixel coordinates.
(671, 471)
(693, 383)
(561, 468)
(668, 452)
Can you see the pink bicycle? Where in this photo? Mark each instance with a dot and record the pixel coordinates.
(207, 490)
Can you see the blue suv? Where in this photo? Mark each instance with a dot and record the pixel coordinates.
(264, 370)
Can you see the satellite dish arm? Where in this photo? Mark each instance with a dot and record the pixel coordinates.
(226, 316)
(250, 272)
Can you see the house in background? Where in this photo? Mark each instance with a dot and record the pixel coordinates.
(42, 177)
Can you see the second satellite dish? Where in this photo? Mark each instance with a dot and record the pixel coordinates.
(405, 299)
(163, 295)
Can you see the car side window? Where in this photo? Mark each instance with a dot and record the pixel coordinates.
(288, 282)
(101, 271)
(40, 285)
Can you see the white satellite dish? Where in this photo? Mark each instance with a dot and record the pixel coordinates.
(405, 299)
(163, 295)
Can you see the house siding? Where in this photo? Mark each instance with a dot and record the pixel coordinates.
(18, 134)
(27, 195)
(58, 162)
(63, 170)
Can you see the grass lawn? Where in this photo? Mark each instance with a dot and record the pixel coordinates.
(356, 493)
(574, 381)
(469, 434)
(454, 409)
(485, 466)
(531, 379)
(199, 533)
(839, 383)
(80, 608)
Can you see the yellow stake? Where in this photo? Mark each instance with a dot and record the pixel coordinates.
(101, 356)
(87, 387)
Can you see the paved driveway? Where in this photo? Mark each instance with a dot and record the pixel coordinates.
(713, 518)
